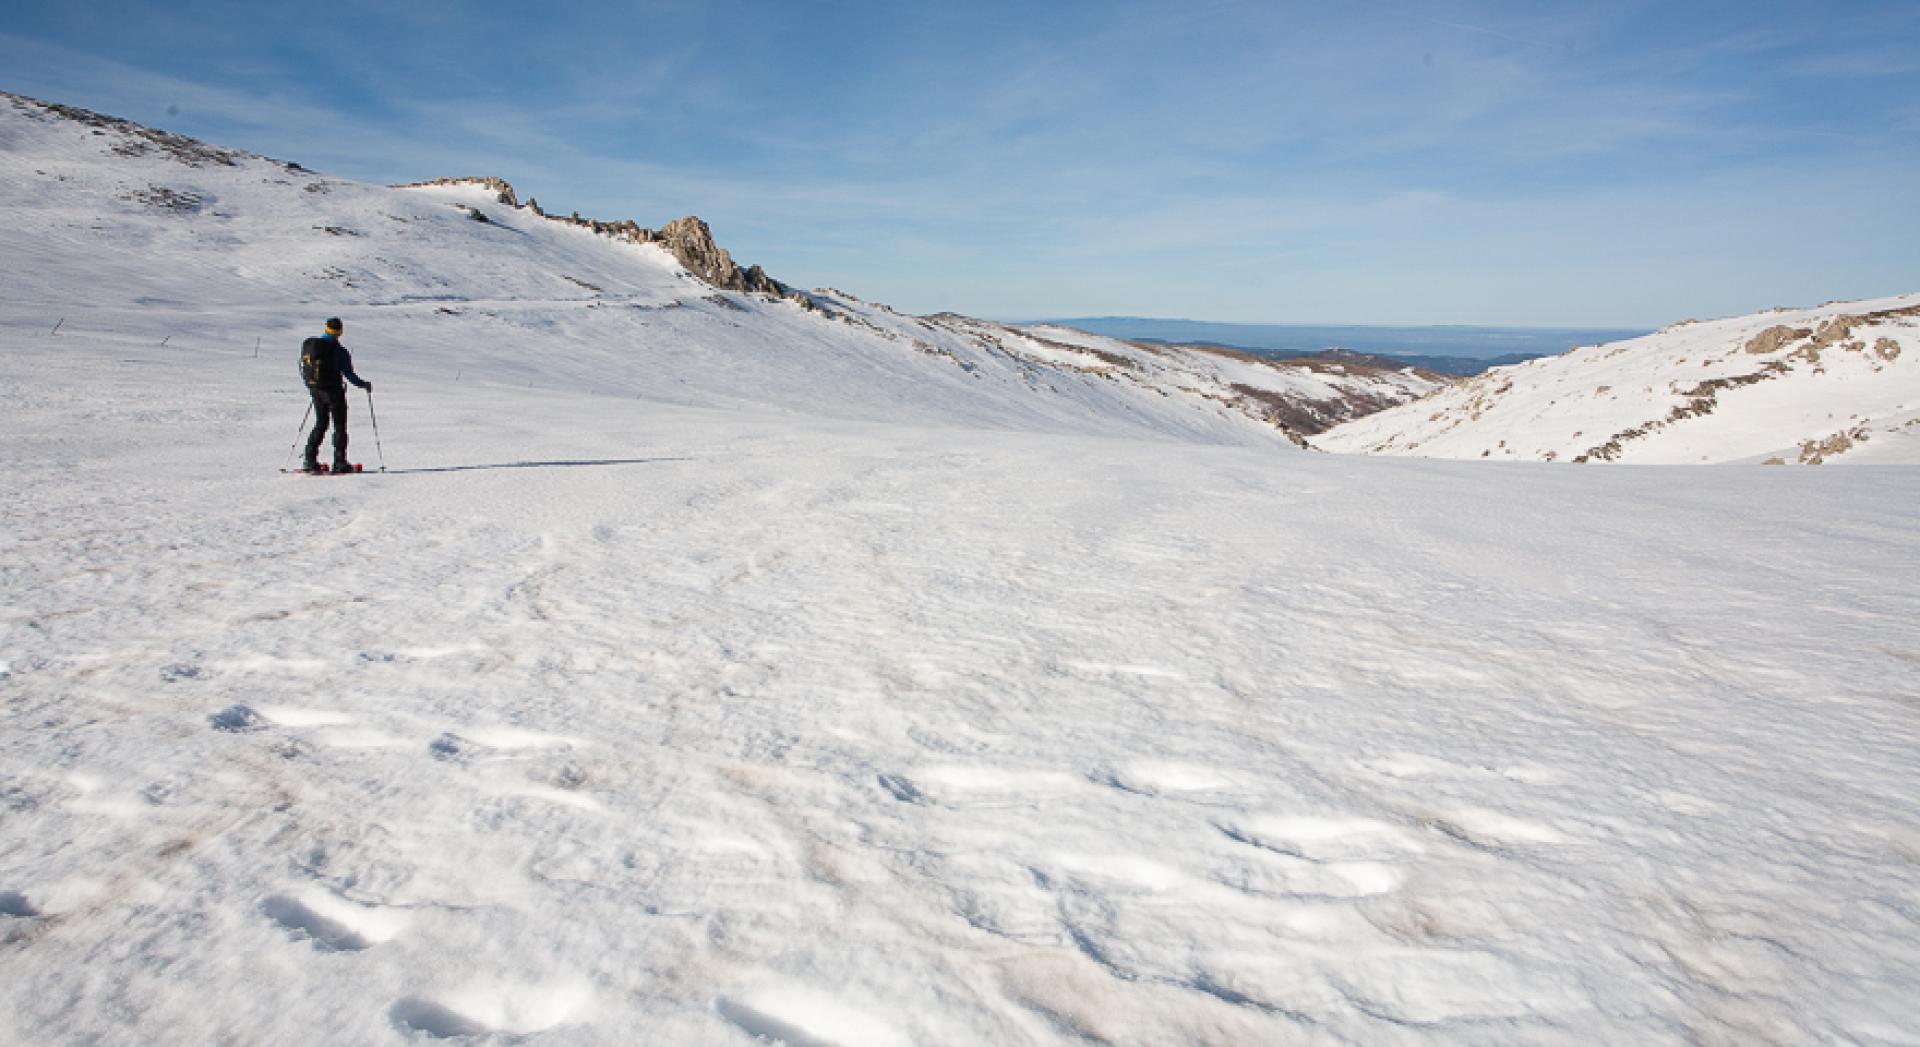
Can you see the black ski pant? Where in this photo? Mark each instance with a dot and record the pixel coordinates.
(329, 406)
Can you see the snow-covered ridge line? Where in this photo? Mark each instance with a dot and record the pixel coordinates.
(503, 190)
(687, 239)
(1838, 382)
(478, 283)
(1297, 397)
(138, 139)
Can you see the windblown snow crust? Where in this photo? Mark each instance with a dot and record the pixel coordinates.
(1840, 383)
(708, 669)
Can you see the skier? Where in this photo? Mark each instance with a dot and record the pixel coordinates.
(323, 362)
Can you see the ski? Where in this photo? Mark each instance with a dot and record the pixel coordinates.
(325, 471)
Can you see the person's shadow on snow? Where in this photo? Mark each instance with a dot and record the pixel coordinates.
(559, 464)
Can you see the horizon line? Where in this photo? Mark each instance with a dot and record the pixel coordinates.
(1308, 323)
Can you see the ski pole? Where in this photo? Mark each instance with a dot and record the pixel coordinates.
(375, 419)
(296, 435)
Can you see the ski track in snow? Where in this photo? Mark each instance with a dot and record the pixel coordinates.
(918, 718)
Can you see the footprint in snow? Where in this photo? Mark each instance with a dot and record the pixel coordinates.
(1490, 830)
(1127, 873)
(414, 1014)
(237, 718)
(509, 738)
(1323, 838)
(1413, 765)
(464, 745)
(973, 786)
(1156, 778)
(335, 730)
(800, 1017)
(492, 1010)
(20, 919)
(902, 788)
(333, 924)
(1339, 857)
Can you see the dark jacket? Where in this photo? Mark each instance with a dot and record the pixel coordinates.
(323, 361)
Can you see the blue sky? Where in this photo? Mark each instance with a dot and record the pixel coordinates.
(1512, 163)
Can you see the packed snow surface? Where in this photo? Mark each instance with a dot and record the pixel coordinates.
(1836, 383)
(697, 684)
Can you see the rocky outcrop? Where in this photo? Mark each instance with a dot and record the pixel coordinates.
(1773, 338)
(1701, 400)
(690, 241)
(1815, 452)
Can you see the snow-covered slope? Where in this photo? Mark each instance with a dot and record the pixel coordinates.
(709, 670)
(1839, 383)
(1305, 395)
(213, 248)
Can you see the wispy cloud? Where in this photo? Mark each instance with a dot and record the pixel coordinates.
(1105, 153)
(1877, 61)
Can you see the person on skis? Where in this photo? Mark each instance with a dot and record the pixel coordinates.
(323, 363)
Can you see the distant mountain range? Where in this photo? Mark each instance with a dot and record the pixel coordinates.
(1449, 349)
(1455, 366)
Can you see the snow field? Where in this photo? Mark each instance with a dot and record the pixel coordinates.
(620, 718)
(710, 671)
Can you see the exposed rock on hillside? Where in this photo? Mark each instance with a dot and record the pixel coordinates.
(1808, 385)
(131, 139)
(688, 239)
(692, 243)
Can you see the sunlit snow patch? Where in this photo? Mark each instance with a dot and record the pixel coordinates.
(800, 1017)
(1166, 777)
(293, 716)
(504, 737)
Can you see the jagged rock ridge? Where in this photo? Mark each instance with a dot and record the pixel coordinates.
(688, 239)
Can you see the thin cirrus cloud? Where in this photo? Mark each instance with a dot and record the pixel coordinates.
(1118, 157)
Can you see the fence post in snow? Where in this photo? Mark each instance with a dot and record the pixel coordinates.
(56, 327)
(164, 341)
(256, 347)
